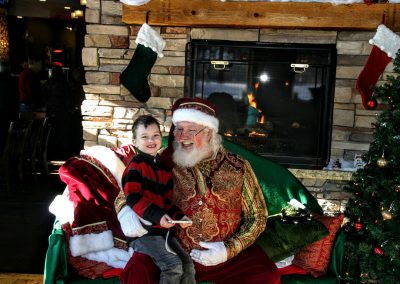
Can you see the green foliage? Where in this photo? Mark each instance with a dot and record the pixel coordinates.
(373, 230)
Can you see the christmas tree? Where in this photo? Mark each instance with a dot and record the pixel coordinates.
(373, 228)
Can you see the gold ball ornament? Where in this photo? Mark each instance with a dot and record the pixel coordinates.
(382, 162)
(386, 215)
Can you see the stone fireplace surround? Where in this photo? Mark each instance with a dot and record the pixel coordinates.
(109, 109)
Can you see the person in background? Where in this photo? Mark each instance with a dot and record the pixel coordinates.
(60, 110)
(30, 86)
(147, 185)
(58, 94)
(8, 102)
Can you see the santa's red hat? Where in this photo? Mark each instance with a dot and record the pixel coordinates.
(195, 110)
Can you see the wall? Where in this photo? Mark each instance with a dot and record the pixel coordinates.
(109, 109)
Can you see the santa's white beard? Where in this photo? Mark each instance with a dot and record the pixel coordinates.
(187, 159)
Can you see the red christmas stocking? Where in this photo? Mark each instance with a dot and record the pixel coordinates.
(385, 46)
(366, 81)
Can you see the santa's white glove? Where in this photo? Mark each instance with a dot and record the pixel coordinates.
(130, 223)
(216, 253)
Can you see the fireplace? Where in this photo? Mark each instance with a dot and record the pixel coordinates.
(274, 99)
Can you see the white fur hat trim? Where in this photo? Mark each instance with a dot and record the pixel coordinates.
(195, 116)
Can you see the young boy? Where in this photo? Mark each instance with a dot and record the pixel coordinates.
(147, 185)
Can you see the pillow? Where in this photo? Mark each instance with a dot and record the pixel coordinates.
(315, 257)
(280, 240)
(278, 188)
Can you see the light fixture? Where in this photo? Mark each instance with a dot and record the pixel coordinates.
(83, 2)
(67, 8)
(73, 15)
(78, 13)
(264, 77)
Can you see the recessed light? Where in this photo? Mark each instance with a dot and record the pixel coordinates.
(79, 13)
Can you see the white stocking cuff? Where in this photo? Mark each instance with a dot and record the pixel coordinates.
(149, 37)
(386, 40)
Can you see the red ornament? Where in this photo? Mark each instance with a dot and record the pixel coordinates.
(372, 104)
(358, 226)
(378, 251)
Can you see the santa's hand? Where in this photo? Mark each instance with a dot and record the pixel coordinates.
(185, 225)
(130, 224)
(214, 254)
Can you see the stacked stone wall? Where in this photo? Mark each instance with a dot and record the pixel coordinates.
(109, 109)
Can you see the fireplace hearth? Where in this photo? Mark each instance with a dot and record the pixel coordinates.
(274, 99)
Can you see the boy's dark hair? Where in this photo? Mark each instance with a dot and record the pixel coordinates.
(144, 120)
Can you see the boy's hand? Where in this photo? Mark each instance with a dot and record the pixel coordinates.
(165, 222)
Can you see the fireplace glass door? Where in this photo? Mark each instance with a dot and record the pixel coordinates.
(275, 100)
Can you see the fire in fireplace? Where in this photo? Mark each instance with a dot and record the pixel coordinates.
(275, 99)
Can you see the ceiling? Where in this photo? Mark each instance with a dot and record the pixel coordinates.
(46, 9)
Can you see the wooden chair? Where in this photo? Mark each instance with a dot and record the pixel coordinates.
(13, 159)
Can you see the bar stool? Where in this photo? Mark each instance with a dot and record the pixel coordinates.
(13, 159)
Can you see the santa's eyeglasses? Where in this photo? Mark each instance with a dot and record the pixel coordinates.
(190, 133)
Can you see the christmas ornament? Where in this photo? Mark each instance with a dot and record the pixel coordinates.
(386, 215)
(385, 45)
(134, 77)
(358, 226)
(382, 162)
(378, 251)
(397, 188)
(372, 104)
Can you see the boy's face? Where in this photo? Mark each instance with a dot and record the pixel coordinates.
(148, 139)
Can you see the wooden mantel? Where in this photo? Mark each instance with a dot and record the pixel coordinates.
(243, 14)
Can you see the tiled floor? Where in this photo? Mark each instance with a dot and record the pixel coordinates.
(25, 224)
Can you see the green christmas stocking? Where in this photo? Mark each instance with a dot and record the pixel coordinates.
(135, 76)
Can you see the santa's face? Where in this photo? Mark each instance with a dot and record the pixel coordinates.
(192, 143)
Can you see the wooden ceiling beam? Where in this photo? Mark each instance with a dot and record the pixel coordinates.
(242, 14)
